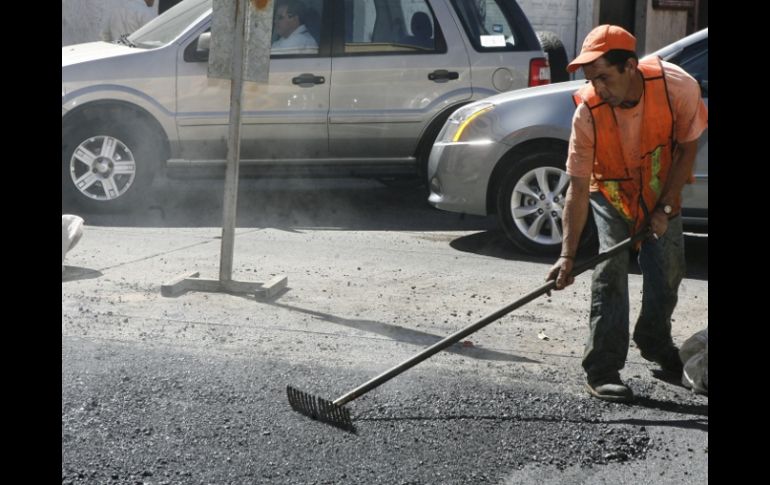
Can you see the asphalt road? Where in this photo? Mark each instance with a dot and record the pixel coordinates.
(191, 389)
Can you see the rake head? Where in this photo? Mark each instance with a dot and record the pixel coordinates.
(320, 409)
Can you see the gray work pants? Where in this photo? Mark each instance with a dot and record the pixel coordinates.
(662, 264)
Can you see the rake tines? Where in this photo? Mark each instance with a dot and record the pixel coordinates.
(319, 409)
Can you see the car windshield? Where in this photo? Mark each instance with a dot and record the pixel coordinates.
(169, 25)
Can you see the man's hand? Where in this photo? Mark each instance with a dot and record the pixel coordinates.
(561, 273)
(681, 170)
(658, 223)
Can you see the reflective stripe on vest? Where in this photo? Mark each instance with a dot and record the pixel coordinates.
(627, 191)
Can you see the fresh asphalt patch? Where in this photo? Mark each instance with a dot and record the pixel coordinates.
(159, 414)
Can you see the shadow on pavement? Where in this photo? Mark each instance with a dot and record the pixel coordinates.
(407, 335)
(493, 243)
(698, 423)
(671, 406)
(72, 273)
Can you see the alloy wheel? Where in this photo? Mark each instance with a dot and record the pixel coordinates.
(537, 204)
(102, 168)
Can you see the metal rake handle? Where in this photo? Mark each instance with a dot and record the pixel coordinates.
(459, 335)
(333, 412)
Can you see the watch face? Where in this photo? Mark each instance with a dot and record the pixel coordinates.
(667, 209)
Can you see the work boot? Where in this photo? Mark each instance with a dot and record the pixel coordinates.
(609, 389)
(668, 360)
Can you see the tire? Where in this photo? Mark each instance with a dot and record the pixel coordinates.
(530, 201)
(426, 144)
(557, 55)
(108, 165)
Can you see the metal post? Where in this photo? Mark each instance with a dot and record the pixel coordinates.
(233, 145)
(225, 283)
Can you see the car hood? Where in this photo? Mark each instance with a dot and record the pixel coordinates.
(93, 51)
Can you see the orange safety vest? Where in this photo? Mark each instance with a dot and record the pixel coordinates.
(634, 193)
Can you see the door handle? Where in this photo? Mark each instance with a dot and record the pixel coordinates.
(307, 80)
(442, 75)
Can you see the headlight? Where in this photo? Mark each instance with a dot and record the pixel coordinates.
(462, 118)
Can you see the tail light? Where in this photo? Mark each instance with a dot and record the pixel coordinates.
(539, 72)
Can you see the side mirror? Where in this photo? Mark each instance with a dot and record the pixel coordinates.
(204, 42)
(198, 51)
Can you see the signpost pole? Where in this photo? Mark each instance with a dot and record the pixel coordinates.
(233, 68)
(233, 144)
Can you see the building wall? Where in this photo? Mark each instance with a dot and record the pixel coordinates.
(587, 19)
(82, 20)
(657, 27)
(571, 20)
(557, 16)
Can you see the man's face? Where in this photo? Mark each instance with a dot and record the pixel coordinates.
(284, 23)
(609, 83)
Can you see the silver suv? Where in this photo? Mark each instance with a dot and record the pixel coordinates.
(368, 99)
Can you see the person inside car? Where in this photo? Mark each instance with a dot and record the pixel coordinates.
(632, 148)
(293, 35)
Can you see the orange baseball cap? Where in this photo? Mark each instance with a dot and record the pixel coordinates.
(601, 40)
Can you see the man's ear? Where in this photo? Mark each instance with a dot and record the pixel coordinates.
(631, 64)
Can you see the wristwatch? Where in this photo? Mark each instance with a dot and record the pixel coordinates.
(667, 209)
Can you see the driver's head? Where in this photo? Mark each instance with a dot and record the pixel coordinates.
(288, 16)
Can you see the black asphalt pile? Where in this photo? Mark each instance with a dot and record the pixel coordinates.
(137, 415)
(544, 428)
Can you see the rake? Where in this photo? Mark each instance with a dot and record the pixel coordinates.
(334, 412)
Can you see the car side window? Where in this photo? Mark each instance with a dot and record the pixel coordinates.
(391, 26)
(296, 27)
(486, 24)
(695, 60)
(490, 25)
(296, 32)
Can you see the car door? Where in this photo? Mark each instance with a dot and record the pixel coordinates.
(395, 65)
(283, 121)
